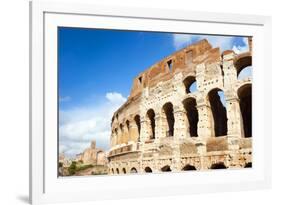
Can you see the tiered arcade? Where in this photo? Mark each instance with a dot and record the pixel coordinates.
(190, 111)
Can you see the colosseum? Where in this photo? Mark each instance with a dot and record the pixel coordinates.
(166, 126)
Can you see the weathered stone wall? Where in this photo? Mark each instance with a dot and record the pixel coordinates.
(165, 125)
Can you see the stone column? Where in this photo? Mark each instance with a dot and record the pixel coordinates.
(119, 136)
(126, 134)
(205, 120)
(134, 133)
(159, 130)
(144, 131)
(234, 123)
(181, 122)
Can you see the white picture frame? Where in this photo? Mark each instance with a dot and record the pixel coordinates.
(46, 187)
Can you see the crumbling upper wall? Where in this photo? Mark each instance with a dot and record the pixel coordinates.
(183, 60)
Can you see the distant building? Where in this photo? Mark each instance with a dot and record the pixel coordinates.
(92, 155)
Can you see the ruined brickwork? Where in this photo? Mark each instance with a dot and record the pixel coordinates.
(167, 126)
(92, 155)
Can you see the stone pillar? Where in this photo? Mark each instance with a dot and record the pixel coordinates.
(234, 123)
(119, 136)
(159, 131)
(144, 131)
(229, 70)
(125, 134)
(205, 121)
(234, 119)
(134, 133)
(181, 122)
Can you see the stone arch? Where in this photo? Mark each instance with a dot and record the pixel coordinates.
(121, 133)
(166, 168)
(117, 171)
(219, 119)
(116, 136)
(168, 111)
(192, 116)
(190, 84)
(242, 61)
(245, 97)
(219, 165)
(148, 170)
(138, 124)
(151, 123)
(188, 167)
(124, 170)
(248, 165)
(128, 130)
(133, 170)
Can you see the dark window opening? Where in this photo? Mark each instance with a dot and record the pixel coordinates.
(188, 168)
(151, 117)
(217, 102)
(190, 84)
(166, 169)
(137, 121)
(169, 114)
(140, 80)
(133, 170)
(248, 165)
(219, 165)
(124, 171)
(148, 170)
(192, 115)
(170, 64)
(245, 96)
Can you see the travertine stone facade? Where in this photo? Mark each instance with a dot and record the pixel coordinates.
(167, 125)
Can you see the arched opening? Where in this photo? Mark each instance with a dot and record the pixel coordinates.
(244, 60)
(116, 137)
(217, 103)
(128, 130)
(245, 96)
(148, 170)
(190, 84)
(117, 171)
(121, 134)
(151, 119)
(137, 121)
(170, 120)
(245, 73)
(192, 115)
(188, 168)
(166, 168)
(124, 171)
(219, 165)
(248, 165)
(133, 170)
(112, 171)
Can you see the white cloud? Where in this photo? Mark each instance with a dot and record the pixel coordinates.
(224, 42)
(81, 125)
(115, 98)
(241, 49)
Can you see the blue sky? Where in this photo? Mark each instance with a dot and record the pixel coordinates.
(96, 71)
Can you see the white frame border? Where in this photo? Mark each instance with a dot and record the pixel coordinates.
(37, 11)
